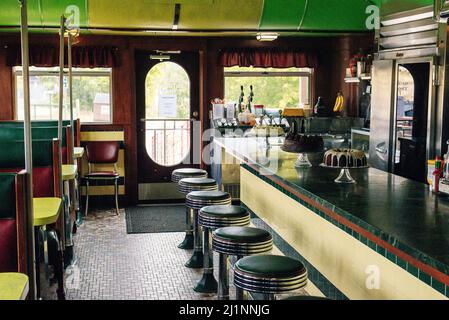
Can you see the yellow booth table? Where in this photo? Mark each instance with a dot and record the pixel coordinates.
(13, 286)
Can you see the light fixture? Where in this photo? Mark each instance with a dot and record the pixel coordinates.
(267, 36)
(176, 17)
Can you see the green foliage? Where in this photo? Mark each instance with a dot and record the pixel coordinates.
(277, 92)
(167, 78)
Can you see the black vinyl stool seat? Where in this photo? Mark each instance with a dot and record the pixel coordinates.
(176, 176)
(196, 200)
(179, 174)
(239, 242)
(210, 218)
(269, 275)
(187, 185)
(223, 216)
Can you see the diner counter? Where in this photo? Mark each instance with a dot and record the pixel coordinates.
(395, 216)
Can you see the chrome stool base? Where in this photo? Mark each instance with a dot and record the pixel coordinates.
(187, 243)
(196, 261)
(207, 284)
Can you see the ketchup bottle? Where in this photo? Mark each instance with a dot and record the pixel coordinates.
(438, 173)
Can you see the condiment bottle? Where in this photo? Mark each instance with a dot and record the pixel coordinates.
(438, 173)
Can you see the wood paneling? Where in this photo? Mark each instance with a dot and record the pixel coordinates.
(334, 55)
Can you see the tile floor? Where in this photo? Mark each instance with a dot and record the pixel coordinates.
(114, 265)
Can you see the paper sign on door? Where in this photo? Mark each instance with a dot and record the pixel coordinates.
(167, 106)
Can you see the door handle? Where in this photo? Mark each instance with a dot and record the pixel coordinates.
(382, 149)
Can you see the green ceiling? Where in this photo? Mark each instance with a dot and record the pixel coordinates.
(203, 15)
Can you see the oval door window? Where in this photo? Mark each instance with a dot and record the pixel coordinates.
(167, 110)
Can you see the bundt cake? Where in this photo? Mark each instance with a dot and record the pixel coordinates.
(345, 158)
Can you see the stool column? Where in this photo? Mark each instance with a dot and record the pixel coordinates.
(196, 261)
(223, 277)
(207, 284)
(187, 243)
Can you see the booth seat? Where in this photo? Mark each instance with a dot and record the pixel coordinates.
(12, 246)
(45, 164)
(46, 123)
(15, 133)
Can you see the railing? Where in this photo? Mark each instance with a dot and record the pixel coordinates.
(167, 141)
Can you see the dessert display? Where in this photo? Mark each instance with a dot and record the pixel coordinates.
(303, 143)
(247, 118)
(293, 112)
(267, 131)
(345, 159)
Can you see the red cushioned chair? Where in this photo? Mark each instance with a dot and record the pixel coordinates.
(102, 152)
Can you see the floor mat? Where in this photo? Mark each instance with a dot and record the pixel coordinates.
(155, 219)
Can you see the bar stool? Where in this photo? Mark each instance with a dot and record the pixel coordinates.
(213, 217)
(196, 200)
(176, 176)
(187, 185)
(269, 275)
(239, 242)
(179, 174)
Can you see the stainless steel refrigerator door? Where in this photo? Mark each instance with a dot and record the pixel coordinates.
(383, 80)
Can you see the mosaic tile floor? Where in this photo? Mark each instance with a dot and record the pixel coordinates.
(114, 265)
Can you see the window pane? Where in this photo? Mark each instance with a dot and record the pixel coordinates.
(272, 92)
(91, 94)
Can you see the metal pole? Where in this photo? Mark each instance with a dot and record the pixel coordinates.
(61, 109)
(31, 256)
(69, 52)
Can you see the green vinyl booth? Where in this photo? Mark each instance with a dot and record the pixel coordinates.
(46, 175)
(46, 123)
(14, 132)
(12, 222)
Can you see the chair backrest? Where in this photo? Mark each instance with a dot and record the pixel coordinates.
(102, 151)
(12, 246)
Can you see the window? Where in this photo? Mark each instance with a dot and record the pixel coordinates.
(92, 98)
(167, 113)
(273, 88)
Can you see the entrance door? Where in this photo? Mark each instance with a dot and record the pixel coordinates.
(167, 90)
(411, 120)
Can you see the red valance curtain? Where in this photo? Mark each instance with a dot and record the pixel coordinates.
(268, 58)
(82, 57)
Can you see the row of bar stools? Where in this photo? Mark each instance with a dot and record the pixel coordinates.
(196, 200)
(269, 275)
(186, 186)
(239, 242)
(176, 176)
(211, 218)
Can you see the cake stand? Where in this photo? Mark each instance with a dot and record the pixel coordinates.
(345, 175)
(303, 161)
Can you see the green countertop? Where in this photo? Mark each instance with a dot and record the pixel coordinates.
(399, 211)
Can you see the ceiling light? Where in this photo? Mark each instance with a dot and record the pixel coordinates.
(265, 36)
(176, 17)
